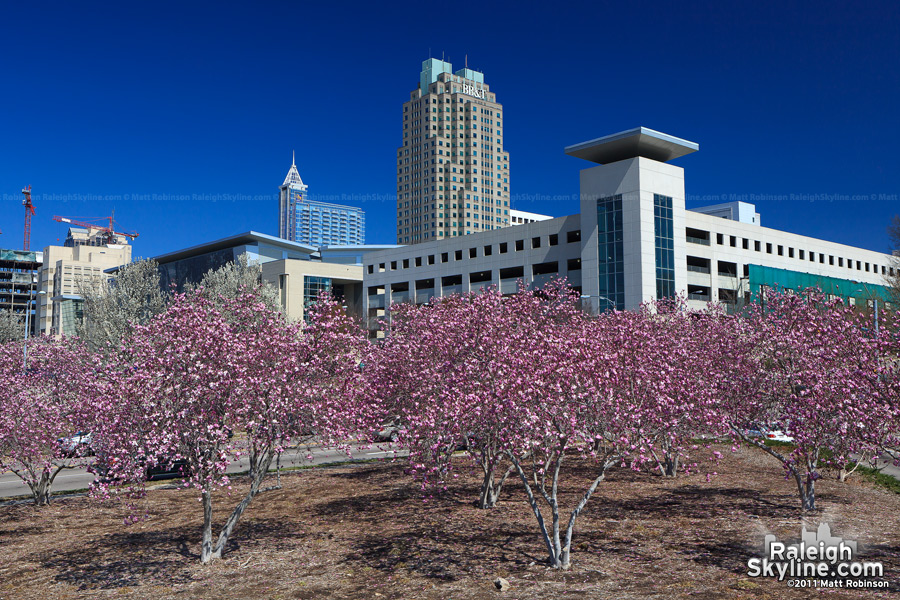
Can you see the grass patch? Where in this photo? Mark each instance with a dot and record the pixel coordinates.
(879, 478)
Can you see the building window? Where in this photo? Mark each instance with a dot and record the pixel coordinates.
(418, 261)
(520, 245)
(488, 250)
(445, 257)
(757, 246)
(733, 241)
(405, 263)
(665, 246)
(746, 244)
(768, 248)
(573, 236)
(503, 247)
(457, 255)
(720, 239)
(312, 287)
(696, 236)
(536, 242)
(610, 252)
(802, 255)
(780, 250)
(554, 239)
(473, 252)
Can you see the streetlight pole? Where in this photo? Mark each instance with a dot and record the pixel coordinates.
(874, 300)
(609, 302)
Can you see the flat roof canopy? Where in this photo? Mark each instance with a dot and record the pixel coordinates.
(639, 141)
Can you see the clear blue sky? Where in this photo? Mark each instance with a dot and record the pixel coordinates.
(157, 100)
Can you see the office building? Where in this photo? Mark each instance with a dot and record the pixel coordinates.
(307, 221)
(19, 284)
(452, 170)
(298, 271)
(80, 261)
(633, 241)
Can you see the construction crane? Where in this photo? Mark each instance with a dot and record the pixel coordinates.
(29, 211)
(108, 232)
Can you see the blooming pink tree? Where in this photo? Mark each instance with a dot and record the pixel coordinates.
(39, 407)
(810, 367)
(194, 377)
(442, 371)
(607, 390)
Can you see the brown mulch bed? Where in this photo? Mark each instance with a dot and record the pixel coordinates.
(365, 531)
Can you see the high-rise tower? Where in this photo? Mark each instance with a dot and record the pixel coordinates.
(452, 171)
(292, 191)
(316, 223)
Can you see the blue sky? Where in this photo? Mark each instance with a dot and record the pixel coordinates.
(183, 117)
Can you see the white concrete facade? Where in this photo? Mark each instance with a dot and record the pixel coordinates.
(718, 257)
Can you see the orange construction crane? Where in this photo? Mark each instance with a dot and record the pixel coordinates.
(29, 210)
(108, 232)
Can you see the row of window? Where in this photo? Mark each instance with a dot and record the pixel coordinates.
(698, 236)
(506, 274)
(488, 250)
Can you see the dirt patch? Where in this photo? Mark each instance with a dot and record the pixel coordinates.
(366, 531)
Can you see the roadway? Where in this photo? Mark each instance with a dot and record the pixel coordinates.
(78, 478)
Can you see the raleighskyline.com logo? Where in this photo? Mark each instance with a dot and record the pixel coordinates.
(818, 560)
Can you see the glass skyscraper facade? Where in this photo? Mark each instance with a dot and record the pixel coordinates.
(611, 252)
(316, 223)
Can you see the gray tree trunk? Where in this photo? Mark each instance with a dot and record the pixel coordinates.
(258, 470)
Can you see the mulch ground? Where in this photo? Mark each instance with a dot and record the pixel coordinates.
(365, 531)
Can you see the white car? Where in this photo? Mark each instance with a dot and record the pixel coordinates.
(77, 445)
(770, 433)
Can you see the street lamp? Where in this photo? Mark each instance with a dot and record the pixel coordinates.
(609, 302)
(28, 330)
(874, 300)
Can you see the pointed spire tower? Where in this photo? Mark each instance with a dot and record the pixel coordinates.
(291, 192)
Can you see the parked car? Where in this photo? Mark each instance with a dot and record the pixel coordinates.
(76, 445)
(770, 432)
(161, 469)
(390, 431)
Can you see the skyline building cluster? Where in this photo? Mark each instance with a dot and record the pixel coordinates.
(632, 241)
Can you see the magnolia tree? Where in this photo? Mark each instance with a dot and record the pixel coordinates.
(12, 326)
(112, 309)
(41, 407)
(444, 371)
(210, 387)
(616, 390)
(810, 367)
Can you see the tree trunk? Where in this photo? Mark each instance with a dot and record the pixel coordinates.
(255, 482)
(206, 543)
(42, 486)
(490, 492)
(552, 558)
(670, 464)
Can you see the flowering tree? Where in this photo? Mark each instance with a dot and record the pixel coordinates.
(808, 366)
(194, 376)
(112, 309)
(444, 372)
(12, 326)
(39, 407)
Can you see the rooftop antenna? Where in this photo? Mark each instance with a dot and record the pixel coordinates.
(467, 61)
(293, 158)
